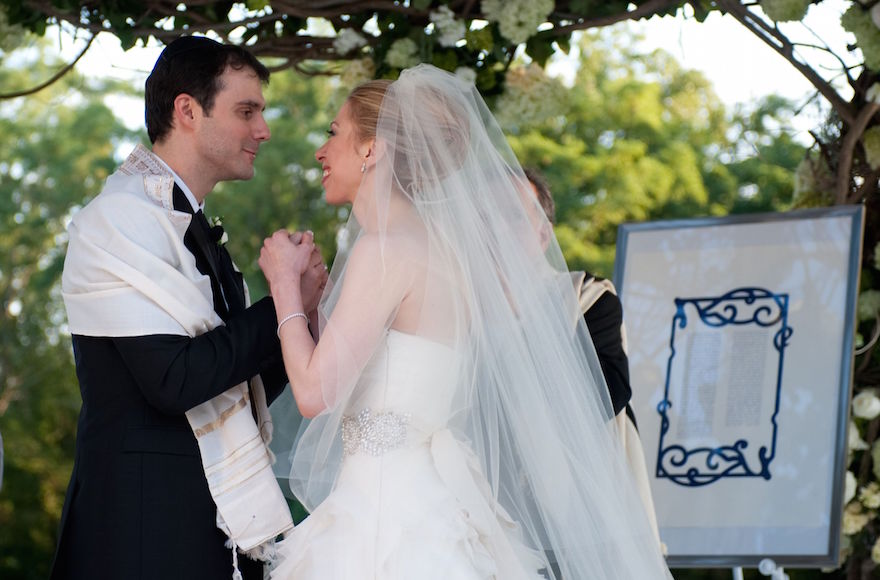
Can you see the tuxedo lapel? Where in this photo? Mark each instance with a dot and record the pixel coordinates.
(215, 263)
(197, 241)
(232, 281)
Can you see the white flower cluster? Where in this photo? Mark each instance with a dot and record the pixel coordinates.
(875, 459)
(854, 439)
(849, 488)
(785, 10)
(357, 71)
(854, 519)
(347, 40)
(870, 496)
(866, 405)
(868, 306)
(860, 23)
(517, 20)
(217, 221)
(469, 75)
(449, 29)
(403, 53)
(529, 97)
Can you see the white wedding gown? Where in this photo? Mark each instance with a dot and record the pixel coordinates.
(410, 501)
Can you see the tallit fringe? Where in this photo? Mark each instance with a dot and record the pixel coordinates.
(265, 552)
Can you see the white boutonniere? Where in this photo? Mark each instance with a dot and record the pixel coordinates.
(217, 229)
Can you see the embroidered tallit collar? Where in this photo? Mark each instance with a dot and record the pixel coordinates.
(142, 161)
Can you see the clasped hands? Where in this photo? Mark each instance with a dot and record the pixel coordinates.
(293, 260)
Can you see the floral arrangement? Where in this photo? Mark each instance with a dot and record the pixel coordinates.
(518, 19)
(863, 24)
(217, 227)
(355, 72)
(449, 30)
(404, 53)
(347, 40)
(529, 97)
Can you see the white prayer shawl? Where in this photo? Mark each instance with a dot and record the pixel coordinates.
(128, 273)
(589, 290)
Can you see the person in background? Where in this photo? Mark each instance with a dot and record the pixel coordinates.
(603, 314)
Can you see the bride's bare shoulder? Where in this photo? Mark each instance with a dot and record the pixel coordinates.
(394, 246)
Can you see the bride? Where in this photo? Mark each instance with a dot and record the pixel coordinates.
(459, 423)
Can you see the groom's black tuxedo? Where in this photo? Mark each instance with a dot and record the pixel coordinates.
(138, 504)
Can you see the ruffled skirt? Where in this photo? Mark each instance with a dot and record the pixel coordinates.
(412, 513)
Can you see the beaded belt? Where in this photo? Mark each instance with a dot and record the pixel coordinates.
(374, 433)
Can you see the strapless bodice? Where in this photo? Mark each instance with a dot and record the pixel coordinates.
(411, 379)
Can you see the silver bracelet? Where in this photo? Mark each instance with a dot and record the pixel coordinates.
(290, 317)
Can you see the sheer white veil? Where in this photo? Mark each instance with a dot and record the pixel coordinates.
(528, 397)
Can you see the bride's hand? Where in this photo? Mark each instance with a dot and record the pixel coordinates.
(313, 281)
(283, 260)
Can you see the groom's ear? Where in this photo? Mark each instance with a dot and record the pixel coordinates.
(185, 110)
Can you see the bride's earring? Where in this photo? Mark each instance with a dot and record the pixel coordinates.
(364, 167)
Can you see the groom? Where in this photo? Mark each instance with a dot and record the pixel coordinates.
(172, 477)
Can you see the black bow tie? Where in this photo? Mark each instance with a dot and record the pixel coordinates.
(202, 221)
(227, 276)
(213, 233)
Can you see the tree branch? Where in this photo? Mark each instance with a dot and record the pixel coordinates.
(647, 9)
(828, 49)
(847, 150)
(331, 9)
(778, 42)
(843, 66)
(52, 79)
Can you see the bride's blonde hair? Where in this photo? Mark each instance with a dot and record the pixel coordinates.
(443, 124)
(365, 101)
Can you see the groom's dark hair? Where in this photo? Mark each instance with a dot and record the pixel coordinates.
(191, 65)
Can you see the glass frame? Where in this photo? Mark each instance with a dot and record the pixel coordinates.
(714, 260)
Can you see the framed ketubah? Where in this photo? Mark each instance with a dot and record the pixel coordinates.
(740, 337)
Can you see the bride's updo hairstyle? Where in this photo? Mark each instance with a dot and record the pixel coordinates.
(364, 102)
(426, 147)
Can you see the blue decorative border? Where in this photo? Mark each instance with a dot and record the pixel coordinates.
(737, 307)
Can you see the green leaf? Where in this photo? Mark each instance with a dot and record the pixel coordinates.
(479, 40)
(292, 25)
(540, 48)
(701, 8)
(127, 38)
(445, 59)
(563, 45)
